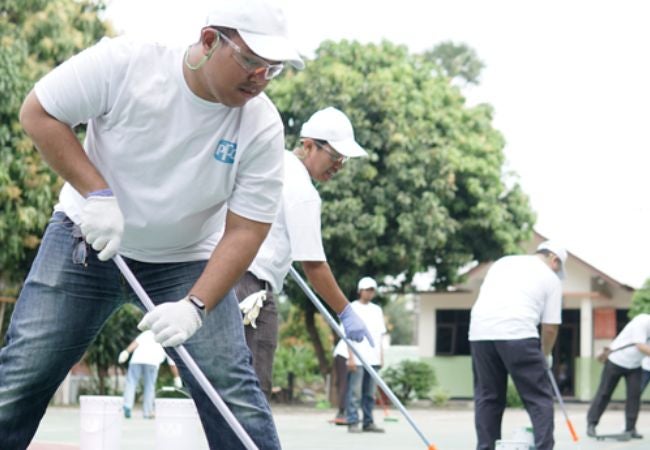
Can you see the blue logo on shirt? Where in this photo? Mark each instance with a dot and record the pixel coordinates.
(225, 151)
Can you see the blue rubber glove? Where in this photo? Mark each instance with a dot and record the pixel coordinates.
(354, 327)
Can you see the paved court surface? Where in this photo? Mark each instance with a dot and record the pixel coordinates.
(303, 428)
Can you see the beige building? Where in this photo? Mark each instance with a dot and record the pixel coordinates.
(595, 309)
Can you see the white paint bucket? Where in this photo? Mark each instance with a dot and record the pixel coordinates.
(512, 445)
(101, 422)
(178, 425)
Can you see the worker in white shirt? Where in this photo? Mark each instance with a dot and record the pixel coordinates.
(518, 293)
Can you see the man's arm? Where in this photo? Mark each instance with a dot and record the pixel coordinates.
(549, 335)
(60, 147)
(321, 277)
(230, 259)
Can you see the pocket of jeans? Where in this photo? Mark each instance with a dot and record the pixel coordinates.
(80, 248)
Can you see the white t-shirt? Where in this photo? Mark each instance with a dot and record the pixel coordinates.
(171, 158)
(148, 350)
(637, 331)
(517, 294)
(645, 363)
(295, 234)
(373, 317)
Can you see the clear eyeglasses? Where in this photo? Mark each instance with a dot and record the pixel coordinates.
(253, 65)
(333, 154)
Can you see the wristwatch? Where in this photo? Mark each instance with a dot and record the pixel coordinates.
(198, 303)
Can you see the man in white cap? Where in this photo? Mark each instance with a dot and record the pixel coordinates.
(178, 142)
(628, 350)
(518, 293)
(327, 142)
(360, 384)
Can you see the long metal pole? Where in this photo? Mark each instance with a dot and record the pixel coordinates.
(189, 361)
(373, 373)
(556, 389)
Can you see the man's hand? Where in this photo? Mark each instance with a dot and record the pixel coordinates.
(549, 361)
(124, 355)
(102, 223)
(178, 383)
(354, 327)
(172, 323)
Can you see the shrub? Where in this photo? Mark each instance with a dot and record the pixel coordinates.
(410, 380)
(513, 400)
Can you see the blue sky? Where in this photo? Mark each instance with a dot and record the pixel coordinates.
(568, 81)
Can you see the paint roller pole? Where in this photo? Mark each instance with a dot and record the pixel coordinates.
(556, 389)
(332, 323)
(189, 361)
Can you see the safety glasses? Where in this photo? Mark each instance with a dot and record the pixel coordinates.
(253, 65)
(333, 154)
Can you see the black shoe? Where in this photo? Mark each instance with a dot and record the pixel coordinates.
(372, 428)
(354, 428)
(591, 430)
(633, 434)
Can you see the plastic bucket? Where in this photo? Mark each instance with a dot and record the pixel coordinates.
(101, 422)
(512, 445)
(178, 425)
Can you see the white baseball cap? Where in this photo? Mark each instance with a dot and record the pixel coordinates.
(261, 24)
(333, 126)
(366, 283)
(558, 251)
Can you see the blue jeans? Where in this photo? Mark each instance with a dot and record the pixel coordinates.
(62, 307)
(148, 373)
(360, 386)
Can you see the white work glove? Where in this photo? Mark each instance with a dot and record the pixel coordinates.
(549, 361)
(102, 224)
(250, 307)
(172, 323)
(124, 355)
(354, 327)
(178, 383)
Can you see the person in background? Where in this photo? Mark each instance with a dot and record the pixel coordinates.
(625, 363)
(518, 293)
(361, 386)
(179, 142)
(327, 143)
(146, 357)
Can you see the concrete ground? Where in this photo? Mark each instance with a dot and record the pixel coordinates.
(303, 428)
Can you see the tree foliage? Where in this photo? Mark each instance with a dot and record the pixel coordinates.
(457, 61)
(35, 36)
(641, 300)
(432, 192)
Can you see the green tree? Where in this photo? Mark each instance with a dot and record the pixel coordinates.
(640, 300)
(432, 193)
(457, 61)
(35, 36)
(400, 320)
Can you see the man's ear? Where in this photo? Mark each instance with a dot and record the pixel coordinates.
(209, 39)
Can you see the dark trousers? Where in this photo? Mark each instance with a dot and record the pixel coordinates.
(492, 361)
(263, 340)
(608, 380)
(645, 379)
(341, 368)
